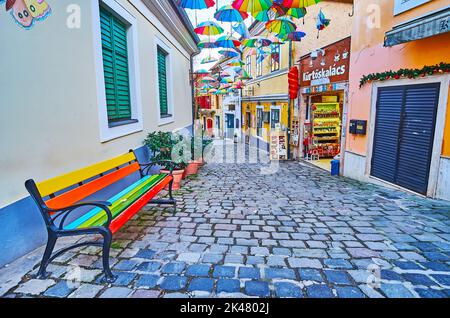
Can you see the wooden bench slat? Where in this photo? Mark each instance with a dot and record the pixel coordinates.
(123, 218)
(73, 196)
(67, 180)
(119, 203)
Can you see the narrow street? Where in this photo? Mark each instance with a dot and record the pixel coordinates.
(297, 233)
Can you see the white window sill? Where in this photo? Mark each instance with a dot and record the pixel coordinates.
(165, 120)
(110, 133)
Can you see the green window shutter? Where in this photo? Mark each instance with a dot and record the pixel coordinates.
(115, 65)
(162, 81)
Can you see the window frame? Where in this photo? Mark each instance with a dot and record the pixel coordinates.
(259, 65)
(274, 108)
(275, 66)
(259, 119)
(248, 64)
(170, 117)
(114, 130)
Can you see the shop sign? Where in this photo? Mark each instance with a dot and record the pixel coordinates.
(328, 65)
(401, 6)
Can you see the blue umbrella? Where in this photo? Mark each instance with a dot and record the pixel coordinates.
(230, 14)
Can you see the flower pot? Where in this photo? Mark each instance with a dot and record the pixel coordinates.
(192, 168)
(177, 177)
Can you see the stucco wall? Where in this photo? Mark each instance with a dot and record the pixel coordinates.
(369, 56)
(50, 123)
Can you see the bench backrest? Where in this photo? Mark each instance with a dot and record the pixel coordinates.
(84, 182)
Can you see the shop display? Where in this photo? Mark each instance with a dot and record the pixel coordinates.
(278, 145)
(326, 129)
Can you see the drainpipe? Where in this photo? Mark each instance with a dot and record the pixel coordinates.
(193, 89)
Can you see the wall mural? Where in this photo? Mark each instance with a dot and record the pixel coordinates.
(27, 12)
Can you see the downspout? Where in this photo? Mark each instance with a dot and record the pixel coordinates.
(194, 115)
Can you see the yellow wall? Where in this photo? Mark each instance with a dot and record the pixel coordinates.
(370, 56)
(50, 121)
(339, 29)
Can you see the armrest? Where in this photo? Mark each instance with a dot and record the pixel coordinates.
(169, 163)
(67, 210)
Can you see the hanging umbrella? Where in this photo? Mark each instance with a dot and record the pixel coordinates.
(227, 42)
(206, 45)
(202, 71)
(229, 53)
(297, 13)
(208, 28)
(295, 36)
(226, 80)
(230, 14)
(208, 60)
(256, 42)
(322, 22)
(243, 75)
(196, 4)
(208, 79)
(252, 5)
(225, 74)
(237, 63)
(212, 91)
(299, 3)
(281, 26)
(262, 16)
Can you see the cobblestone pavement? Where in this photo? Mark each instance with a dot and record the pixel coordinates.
(298, 233)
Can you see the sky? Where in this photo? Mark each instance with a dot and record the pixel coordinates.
(208, 15)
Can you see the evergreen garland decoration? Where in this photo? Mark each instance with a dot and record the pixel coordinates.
(406, 73)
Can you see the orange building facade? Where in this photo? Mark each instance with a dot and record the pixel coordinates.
(403, 137)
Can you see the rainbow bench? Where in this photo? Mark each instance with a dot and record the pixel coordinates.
(57, 198)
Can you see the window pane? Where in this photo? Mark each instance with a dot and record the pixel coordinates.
(162, 81)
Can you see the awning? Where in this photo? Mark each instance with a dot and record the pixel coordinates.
(433, 24)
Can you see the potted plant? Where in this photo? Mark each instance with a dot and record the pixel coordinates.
(161, 145)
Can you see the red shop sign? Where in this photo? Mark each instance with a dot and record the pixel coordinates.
(329, 65)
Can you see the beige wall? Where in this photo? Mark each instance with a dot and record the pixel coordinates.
(49, 123)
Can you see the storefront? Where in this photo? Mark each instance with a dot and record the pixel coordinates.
(320, 121)
(398, 92)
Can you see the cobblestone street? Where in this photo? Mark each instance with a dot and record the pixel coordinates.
(296, 233)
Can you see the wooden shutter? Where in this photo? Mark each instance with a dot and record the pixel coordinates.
(115, 64)
(162, 81)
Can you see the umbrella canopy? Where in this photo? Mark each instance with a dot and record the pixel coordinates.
(299, 3)
(196, 4)
(212, 91)
(208, 60)
(297, 13)
(281, 26)
(225, 74)
(252, 5)
(243, 75)
(322, 21)
(208, 79)
(227, 42)
(202, 71)
(206, 45)
(208, 28)
(237, 63)
(230, 14)
(295, 36)
(226, 80)
(256, 42)
(229, 53)
(262, 16)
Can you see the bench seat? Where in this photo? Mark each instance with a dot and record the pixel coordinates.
(60, 196)
(120, 202)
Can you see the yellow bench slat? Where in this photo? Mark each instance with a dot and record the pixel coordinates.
(62, 182)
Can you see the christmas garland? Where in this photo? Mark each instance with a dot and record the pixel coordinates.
(406, 73)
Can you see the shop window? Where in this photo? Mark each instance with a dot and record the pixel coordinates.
(274, 117)
(259, 121)
(275, 57)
